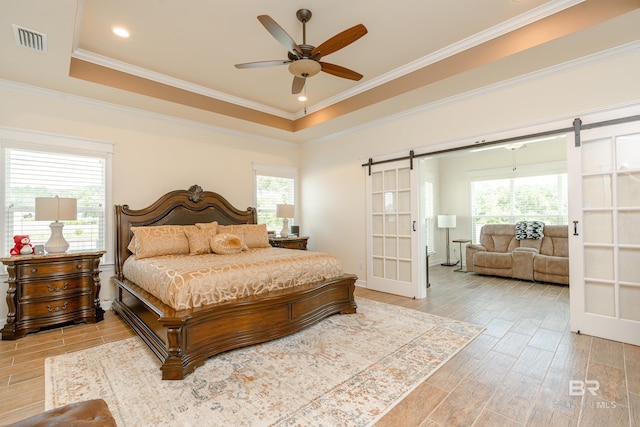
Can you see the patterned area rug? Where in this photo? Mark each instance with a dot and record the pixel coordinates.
(347, 370)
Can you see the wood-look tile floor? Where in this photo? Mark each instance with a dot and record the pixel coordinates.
(518, 372)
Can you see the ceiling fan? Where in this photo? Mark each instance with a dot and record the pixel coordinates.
(304, 59)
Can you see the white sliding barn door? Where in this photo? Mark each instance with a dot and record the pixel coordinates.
(604, 232)
(392, 238)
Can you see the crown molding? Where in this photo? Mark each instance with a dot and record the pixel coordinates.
(124, 67)
(602, 56)
(475, 40)
(50, 93)
(453, 49)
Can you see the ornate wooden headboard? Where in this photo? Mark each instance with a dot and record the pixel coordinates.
(179, 207)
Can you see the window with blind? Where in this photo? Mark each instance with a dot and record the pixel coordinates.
(32, 171)
(273, 185)
(538, 196)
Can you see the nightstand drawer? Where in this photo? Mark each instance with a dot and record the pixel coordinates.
(289, 242)
(57, 307)
(40, 270)
(47, 288)
(293, 244)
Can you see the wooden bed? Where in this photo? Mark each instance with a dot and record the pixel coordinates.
(184, 339)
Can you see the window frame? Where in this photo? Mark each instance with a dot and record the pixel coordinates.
(289, 172)
(524, 171)
(47, 142)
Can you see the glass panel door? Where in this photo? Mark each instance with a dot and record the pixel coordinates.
(605, 246)
(392, 247)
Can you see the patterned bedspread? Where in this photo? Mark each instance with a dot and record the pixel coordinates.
(190, 281)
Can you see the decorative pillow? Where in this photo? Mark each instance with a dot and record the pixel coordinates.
(160, 240)
(198, 239)
(236, 230)
(254, 235)
(209, 226)
(132, 244)
(226, 244)
(529, 230)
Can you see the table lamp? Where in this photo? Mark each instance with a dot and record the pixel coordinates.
(56, 209)
(285, 211)
(447, 222)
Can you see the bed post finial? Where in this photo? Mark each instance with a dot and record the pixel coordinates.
(197, 193)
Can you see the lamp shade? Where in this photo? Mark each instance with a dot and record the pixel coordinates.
(56, 208)
(446, 221)
(285, 211)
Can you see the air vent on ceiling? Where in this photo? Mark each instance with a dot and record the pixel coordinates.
(30, 39)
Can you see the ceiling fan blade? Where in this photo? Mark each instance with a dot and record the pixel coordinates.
(340, 40)
(259, 64)
(280, 35)
(298, 85)
(339, 71)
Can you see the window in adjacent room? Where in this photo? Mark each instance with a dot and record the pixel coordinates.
(56, 167)
(273, 185)
(537, 193)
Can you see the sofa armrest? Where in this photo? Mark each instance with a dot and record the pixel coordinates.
(472, 249)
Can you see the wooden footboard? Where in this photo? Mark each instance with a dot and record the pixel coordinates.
(183, 340)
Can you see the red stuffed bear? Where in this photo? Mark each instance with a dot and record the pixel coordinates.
(22, 246)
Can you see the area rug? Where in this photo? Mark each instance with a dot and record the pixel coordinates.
(347, 370)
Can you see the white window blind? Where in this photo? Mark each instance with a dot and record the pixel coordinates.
(273, 185)
(511, 199)
(42, 171)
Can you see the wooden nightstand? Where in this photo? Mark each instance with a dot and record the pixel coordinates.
(48, 290)
(289, 242)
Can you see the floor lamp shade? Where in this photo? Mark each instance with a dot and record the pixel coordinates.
(447, 222)
(285, 211)
(56, 209)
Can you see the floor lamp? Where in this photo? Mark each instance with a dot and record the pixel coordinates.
(447, 222)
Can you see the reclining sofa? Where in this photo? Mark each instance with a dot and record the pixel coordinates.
(541, 259)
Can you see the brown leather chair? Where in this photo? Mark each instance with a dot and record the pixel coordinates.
(91, 413)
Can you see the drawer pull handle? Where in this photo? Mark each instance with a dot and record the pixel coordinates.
(33, 270)
(57, 308)
(58, 288)
(79, 266)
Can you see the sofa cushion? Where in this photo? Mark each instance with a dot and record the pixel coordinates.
(493, 260)
(499, 237)
(555, 241)
(551, 269)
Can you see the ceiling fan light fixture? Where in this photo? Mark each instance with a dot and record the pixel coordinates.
(305, 68)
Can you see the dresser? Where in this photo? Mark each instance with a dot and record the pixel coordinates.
(289, 242)
(52, 289)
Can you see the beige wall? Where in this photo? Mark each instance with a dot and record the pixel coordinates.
(333, 179)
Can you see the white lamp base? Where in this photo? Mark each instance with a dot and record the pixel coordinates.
(285, 228)
(56, 243)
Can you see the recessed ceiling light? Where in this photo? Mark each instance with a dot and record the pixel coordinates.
(302, 98)
(120, 32)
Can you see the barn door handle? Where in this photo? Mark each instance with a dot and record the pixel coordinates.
(575, 228)
(414, 226)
